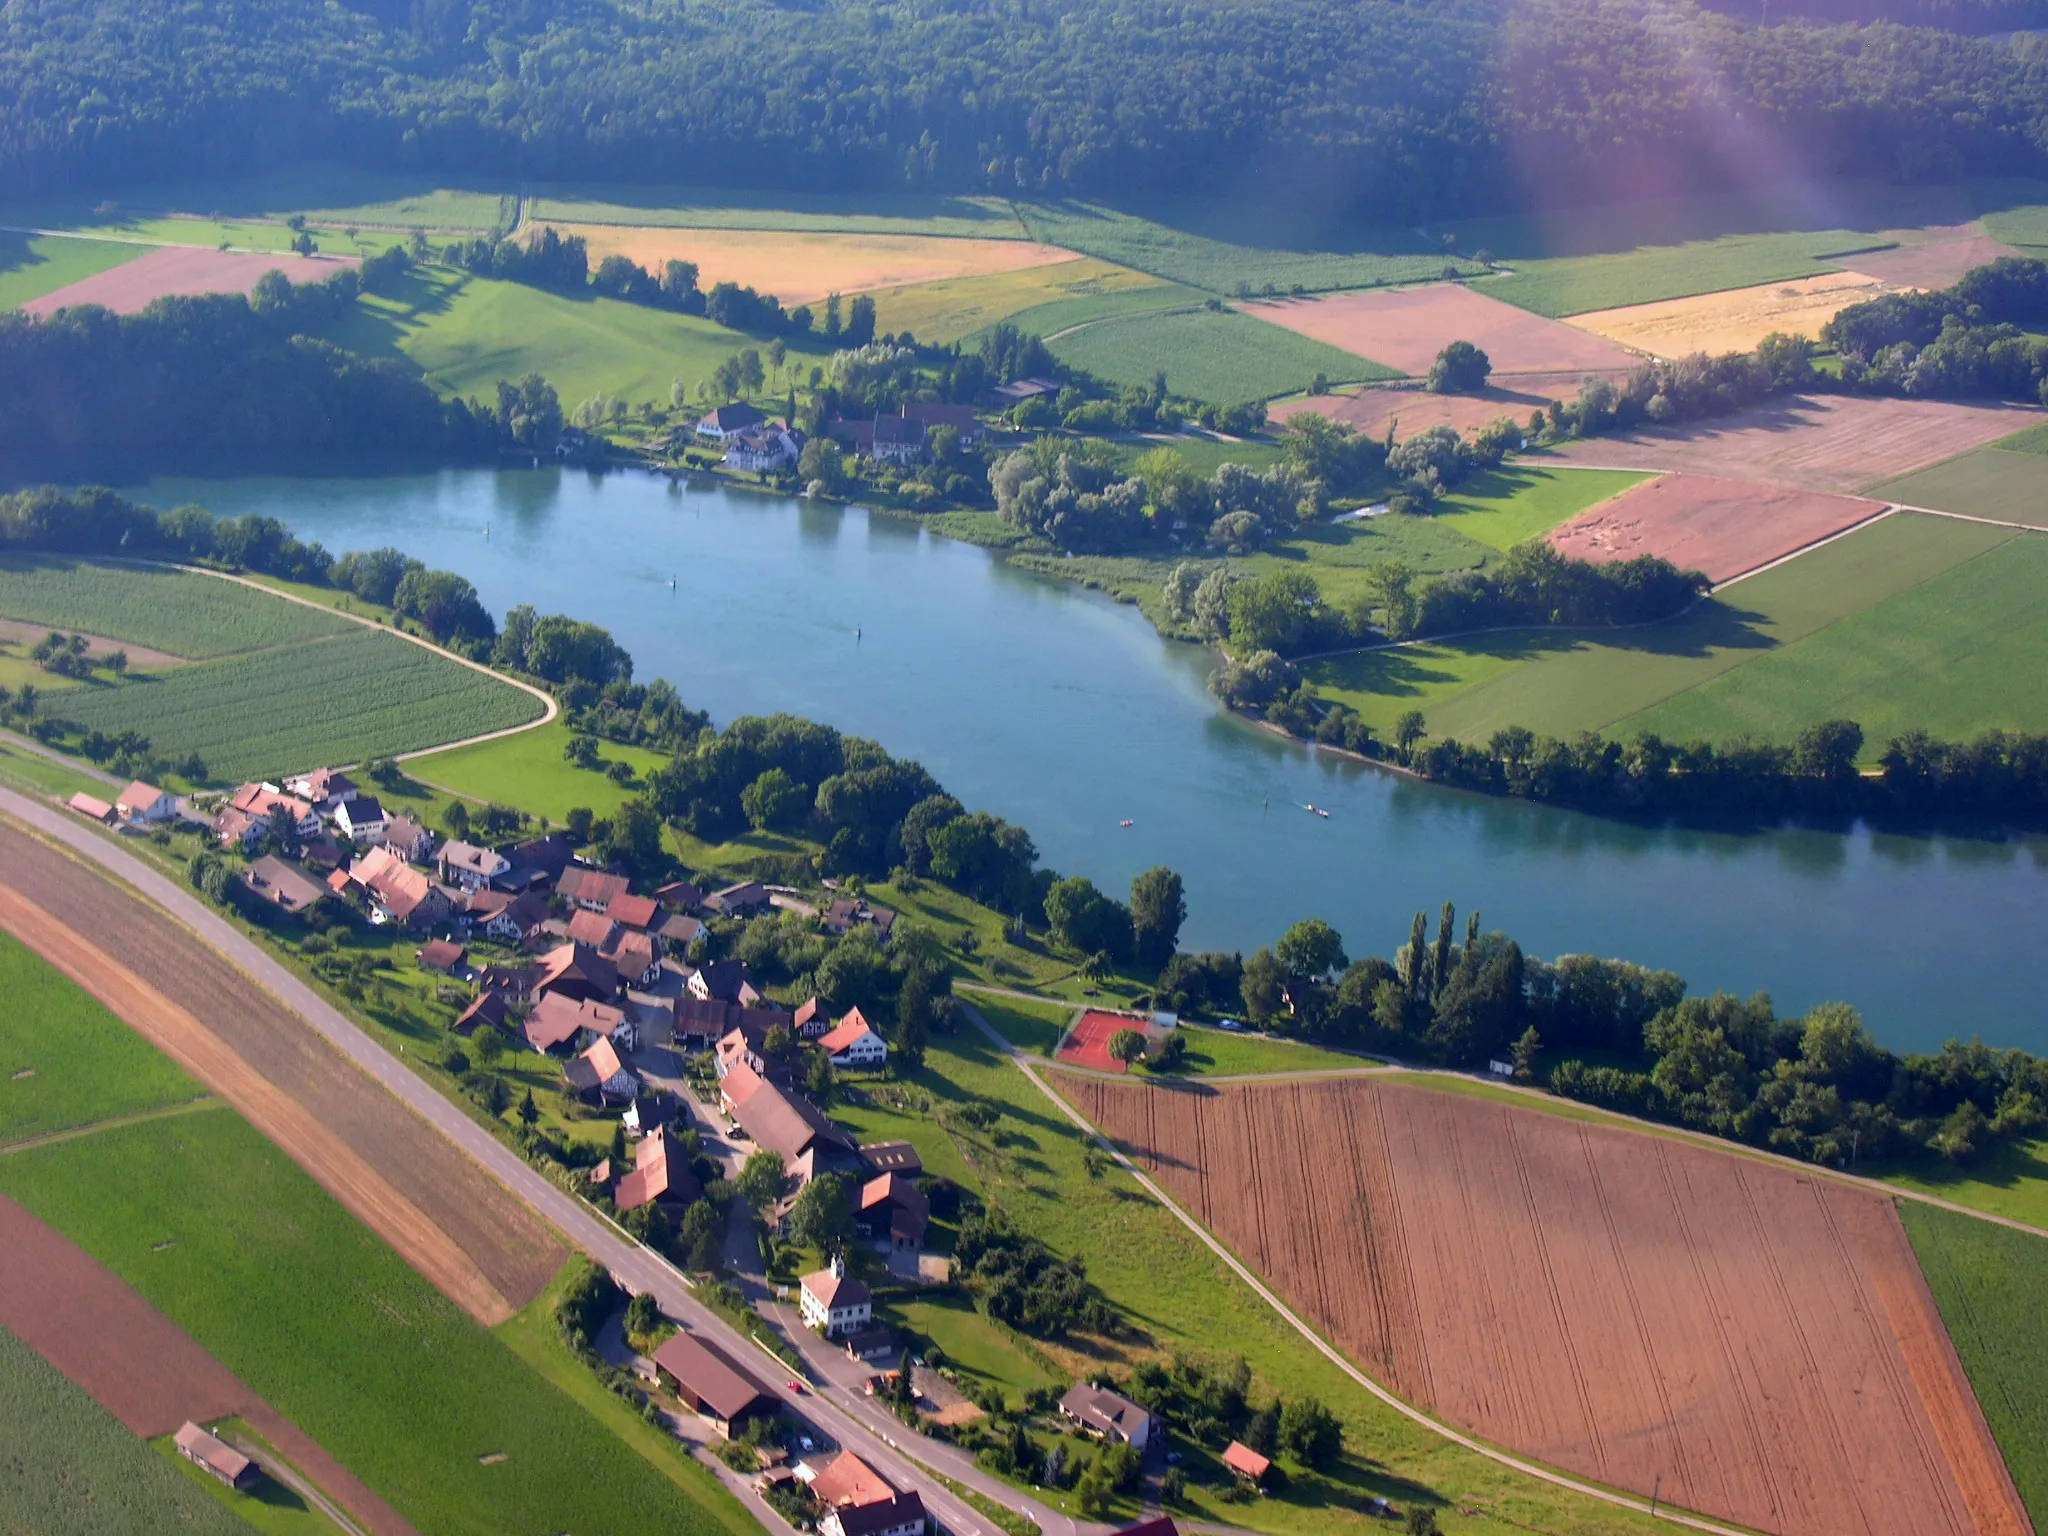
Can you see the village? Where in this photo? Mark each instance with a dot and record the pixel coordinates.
(702, 1078)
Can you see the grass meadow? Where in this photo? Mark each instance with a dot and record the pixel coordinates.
(64, 1060)
(866, 213)
(346, 699)
(226, 1236)
(529, 771)
(172, 611)
(972, 1344)
(1216, 355)
(1988, 1281)
(74, 1468)
(956, 308)
(2008, 482)
(335, 197)
(1222, 1053)
(1575, 285)
(33, 265)
(1517, 502)
(1033, 1027)
(1062, 315)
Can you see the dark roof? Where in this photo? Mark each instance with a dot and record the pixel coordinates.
(679, 894)
(711, 1378)
(934, 414)
(551, 853)
(488, 1009)
(1163, 1526)
(283, 884)
(557, 1019)
(724, 978)
(899, 430)
(1101, 1409)
(361, 810)
(569, 965)
(893, 1157)
(579, 883)
(733, 418)
(442, 955)
(866, 1519)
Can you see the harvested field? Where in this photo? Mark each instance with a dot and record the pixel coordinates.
(139, 1365)
(1410, 410)
(1746, 1340)
(1933, 257)
(454, 1223)
(1405, 328)
(1701, 523)
(1734, 321)
(1823, 442)
(803, 267)
(183, 269)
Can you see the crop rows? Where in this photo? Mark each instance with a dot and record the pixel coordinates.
(186, 615)
(343, 700)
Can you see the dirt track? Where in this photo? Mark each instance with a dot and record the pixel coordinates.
(448, 1218)
(1754, 1344)
(139, 1365)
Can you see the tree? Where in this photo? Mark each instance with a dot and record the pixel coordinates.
(643, 1315)
(822, 1217)
(529, 1112)
(456, 819)
(760, 1181)
(1262, 985)
(774, 801)
(1410, 729)
(1126, 1045)
(1272, 612)
(1310, 1433)
(916, 1011)
(1262, 1430)
(1460, 369)
(822, 466)
(1527, 1049)
(632, 838)
(1311, 949)
(1082, 918)
(1158, 908)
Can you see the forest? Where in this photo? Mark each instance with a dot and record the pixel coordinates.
(1406, 110)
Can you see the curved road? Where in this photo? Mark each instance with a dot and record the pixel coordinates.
(853, 1422)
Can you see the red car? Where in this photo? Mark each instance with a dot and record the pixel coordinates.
(797, 1387)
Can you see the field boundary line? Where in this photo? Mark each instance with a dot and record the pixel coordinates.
(35, 748)
(1968, 517)
(1335, 1357)
(1805, 549)
(113, 1123)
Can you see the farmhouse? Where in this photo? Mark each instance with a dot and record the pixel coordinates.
(897, 440)
(514, 919)
(1107, 1415)
(641, 913)
(636, 957)
(892, 1157)
(710, 1384)
(742, 900)
(408, 839)
(729, 421)
(778, 1120)
(445, 956)
(470, 867)
(659, 1176)
(215, 1456)
(285, 886)
(677, 931)
(894, 1212)
(145, 802)
(856, 1045)
(844, 915)
(847, 1482)
(577, 970)
(600, 1073)
(360, 820)
(93, 809)
(1025, 389)
(246, 817)
(558, 1019)
(537, 861)
(679, 896)
(833, 1302)
(812, 1020)
(723, 981)
(327, 788)
(932, 413)
(747, 1040)
(759, 450)
(591, 889)
(398, 892)
(901, 1515)
(649, 1113)
(488, 1011)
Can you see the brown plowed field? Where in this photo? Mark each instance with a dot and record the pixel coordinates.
(1702, 523)
(1823, 442)
(1931, 258)
(182, 269)
(1751, 1342)
(1405, 328)
(139, 1365)
(1410, 411)
(449, 1219)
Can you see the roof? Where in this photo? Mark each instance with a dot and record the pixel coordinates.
(592, 928)
(848, 1482)
(866, 1519)
(88, 805)
(1101, 1409)
(723, 979)
(851, 1032)
(403, 831)
(556, 1019)
(139, 797)
(550, 853)
(488, 1009)
(634, 911)
(781, 1122)
(576, 962)
(1242, 1459)
(675, 928)
(655, 1174)
(748, 893)
(395, 883)
(257, 800)
(324, 783)
(442, 954)
(712, 1379)
(733, 418)
(835, 1288)
(633, 953)
(1163, 1526)
(284, 885)
(934, 414)
(602, 1061)
(214, 1452)
(899, 430)
(893, 1157)
(476, 861)
(580, 883)
(679, 894)
(361, 811)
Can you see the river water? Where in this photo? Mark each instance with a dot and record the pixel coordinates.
(1067, 714)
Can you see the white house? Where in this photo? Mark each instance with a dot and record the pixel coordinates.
(833, 1302)
(900, 1515)
(145, 802)
(761, 449)
(360, 820)
(1107, 1415)
(469, 866)
(855, 1044)
(728, 421)
(326, 788)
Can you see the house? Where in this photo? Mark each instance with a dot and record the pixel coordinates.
(742, 900)
(746, 1041)
(781, 1120)
(1247, 1463)
(577, 970)
(600, 1073)
(723, 981)
(408, 839)
(245, 820)
(855, 1045)
(680, 896)
(898, 440)
(702, 1023)
(812, 1020)
(711, 1384)
(94, 809)
(538, 861)
(877, 1346)
(636, 957)
(892, 1157)
(902, 1515)
(847, 1482)
(762, 450)
(398, 892)
(558, 1020)
(470, 867)
(360, 820)
(649, 1113)
(930, 413)
(487, 1012)
(678, 932)
(514, 919)
(729, 421)
(894, 1212)
(1107, 1415)
(592, 928)
(833, 1302)
(445, 956)
(591, 889)
(857, 436)
(641, 913)
(328, 789)
(1025, 389)
(659, 1175)
(845, 914)
(216, 1456)
(514, 983)
(145, 802)
(285, 886)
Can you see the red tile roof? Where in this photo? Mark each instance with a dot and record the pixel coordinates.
(852, 1030)
(1245, 1461)
(634, 911)
(556, 1019)
(848, 1482)
(714, 1381)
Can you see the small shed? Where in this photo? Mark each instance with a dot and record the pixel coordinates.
(1247, 1463)
(222, 1460)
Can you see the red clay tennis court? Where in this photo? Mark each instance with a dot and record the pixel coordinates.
(1088, 1045)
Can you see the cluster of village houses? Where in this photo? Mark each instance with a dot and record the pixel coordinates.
(758, 445)
(603, 970)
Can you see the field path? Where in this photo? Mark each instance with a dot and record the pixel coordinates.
(851, 1421)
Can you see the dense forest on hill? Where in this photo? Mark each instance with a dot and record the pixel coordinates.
(1405, 109)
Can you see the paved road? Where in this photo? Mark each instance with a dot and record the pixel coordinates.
(850, 1422)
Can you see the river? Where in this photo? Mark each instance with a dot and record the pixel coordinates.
(1066, 713)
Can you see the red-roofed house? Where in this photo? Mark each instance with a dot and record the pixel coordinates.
(400, 893)
(590, 889)
(1247, 1463)
(856, 1044)
(599, 1072)
(145, 802)
(577, 970)
(558, 1020)
(894, 1211)
(833, 1302)
(812, 1020)
(711, 1384)
(847, 1482)
(641, 912)
(445, 956)
(659, 1176)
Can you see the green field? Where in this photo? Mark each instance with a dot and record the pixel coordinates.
(227, 1236)
(863, 213)
(72, 1469)
(2007, 483)
(1033, 1027)
(468, 333)
(1215, 355)
(1517, 502)
(1222, 1053)
(173, 611)
(1962, 652)
(2009, 1178)
(956, 308)
(356, 696)
(33, 265)
(529, 771)
(1988, 1281)
(1062, 315)
(973, 1345)
(1205, 455)
(1203, 245)
(1558, 683)
(1574, 285)
(64, 1060)
(335, 197)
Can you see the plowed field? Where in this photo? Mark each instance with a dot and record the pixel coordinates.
(1745, 1340)
(182, 269)
(1933, 257)
(1405, 328)
(1700, 523)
